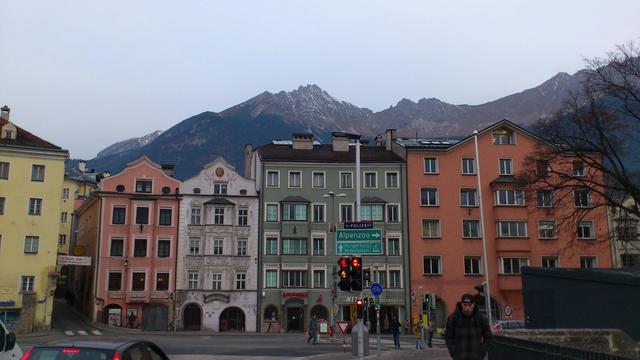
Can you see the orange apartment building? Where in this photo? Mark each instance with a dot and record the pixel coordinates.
(520, 229)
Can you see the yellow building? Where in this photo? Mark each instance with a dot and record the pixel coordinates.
(31, 177)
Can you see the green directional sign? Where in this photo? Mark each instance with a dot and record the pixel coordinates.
(359, 235)
(359, 248)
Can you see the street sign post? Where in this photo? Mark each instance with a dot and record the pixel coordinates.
(343, 326)
(359, 235)
(362, 242)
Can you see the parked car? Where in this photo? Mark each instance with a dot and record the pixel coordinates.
(97, 350)
(507, 325)
(9, 350)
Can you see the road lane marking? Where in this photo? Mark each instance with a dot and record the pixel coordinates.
(68, 333)
(96, 332)
(82, 332)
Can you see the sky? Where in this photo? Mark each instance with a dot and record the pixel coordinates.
(86, 74)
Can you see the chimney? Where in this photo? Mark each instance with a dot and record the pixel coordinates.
(378, 140)
(248, 156)
(82, 166)
(302, 141)
(340, 141)
(389, 138)
(4, 112)
(168, 169)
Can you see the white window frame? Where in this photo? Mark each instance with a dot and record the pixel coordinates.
(117, 237)
(289, 173)
(271, 236)
(555, 229)
(510, 235)
(146, 280)
(517, 195)
(386, 215)
(439, 232)
(424, 165)
(350, 179)
(324, 213)
(364, 178)
(595, 261)
(215, 242)
(213, 276)
(198, 215)
(386, 185)
(589, 198)
(313, 277)
(133, 247)
(33, 240)
(244, 216)
(557, 259)
(264, 276)
(581, 171)
(246, 246)
(155, 279)
(37, 207)
(437, 196)
(65, 193)
(592, 227)
(163, 238)
(220, 186)
(400, 282)
(266, 212)
(63, 217)
(313, 179)
(5, 167)
(440, 270)
(241, 279)
(473, 162)
(116, 271)
(542, 197)
(126, 213)
(475, 197)
(266, 182)
(193, 277)
(511, 133)
(472, 257)
(219, 213)
(35, 175)
(521, 258)
(479, 229)
(353, 217)
(31, 281)
(390, 236)
(324, 244)
(200, 246)
(503, 170)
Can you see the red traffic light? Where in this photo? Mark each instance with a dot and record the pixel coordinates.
(356, 263)
(343, 263)
(359, 302)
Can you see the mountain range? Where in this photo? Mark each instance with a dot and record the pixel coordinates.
(201, 138)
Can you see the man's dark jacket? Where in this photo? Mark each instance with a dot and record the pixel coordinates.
(467, 337)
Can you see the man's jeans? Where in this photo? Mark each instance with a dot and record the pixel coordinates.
(396, 340)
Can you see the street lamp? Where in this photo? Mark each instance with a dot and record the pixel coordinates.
(332, 228)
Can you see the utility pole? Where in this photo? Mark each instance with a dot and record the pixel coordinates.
(487, 295)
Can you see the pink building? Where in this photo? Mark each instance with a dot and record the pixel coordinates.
(129, 228)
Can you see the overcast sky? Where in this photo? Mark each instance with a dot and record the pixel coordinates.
(85, 74)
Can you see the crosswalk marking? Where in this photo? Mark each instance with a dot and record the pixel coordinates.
(96, 332)
(82, 332)
(68, 333)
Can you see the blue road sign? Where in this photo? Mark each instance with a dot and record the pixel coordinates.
(376, 289)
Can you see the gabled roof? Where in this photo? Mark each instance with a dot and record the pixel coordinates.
(324, 153)
(26, 139)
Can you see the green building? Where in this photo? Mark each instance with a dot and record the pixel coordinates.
(307, 190)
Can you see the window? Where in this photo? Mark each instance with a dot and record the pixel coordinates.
(470, 228)
(318, 180)
(63, 217)
(142, 215)
(194, 246)
(273, 179)
(318, 213)
(164, 248)
(544, 198)
(472, 265)
(62, 239)
(294, 212)
(547, 229)
(371, 212)
(346, 212)
(512, 265)
(193, 279)
(468, 197)
(392, 180)
(295, 179)
(503, 137)
(195, 216)
(272, 212)
(241, 280)
(512, 228)
(542, 168)
(468, 166)
(37, 173)
(216, 281)
(242, 247)
(162, 281)
(165, 217)
(31, 244)
(318, 279)
(271, 279)
(271, 246)
(506, 166)
(588, 262)
(393, 246)
(115, 281)
(294, 278)
(346, 180)
(143, 186)
(8, 134)
(26, 283)
(294, 246)
(578, 168)
(430, 228)
(627, 230)
(220, 188)
(117, 246)
(380, 277)
(65, 193)
(393, 213)
(582, 197)
(585, 230)
(138, 280)
(509, 197)
(119, 215)
(370, 180)
(318, 246)
(550, 262)
(218, 216)
(394, 279)
(243, 217)
(2, 202)
(429, 197)
(630, 260)
(4, 170)
(218, 246)
(140, 248)
(35, 206)
(430, 165)
(431, 265)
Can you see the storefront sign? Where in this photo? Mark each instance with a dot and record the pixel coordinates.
(9, 303)
(294, 294)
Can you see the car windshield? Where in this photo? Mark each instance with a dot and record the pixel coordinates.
(74, 353)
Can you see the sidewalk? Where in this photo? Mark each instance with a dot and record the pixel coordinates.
(431, 354)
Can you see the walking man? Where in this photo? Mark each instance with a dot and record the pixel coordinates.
(468, 333)
(432, 329)
(418, 330)
(313, 327)
(395, 330)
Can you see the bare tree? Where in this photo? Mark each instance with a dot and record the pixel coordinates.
(592, 155)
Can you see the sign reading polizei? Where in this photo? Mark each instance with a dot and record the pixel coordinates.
(358, 225)
(362, 242)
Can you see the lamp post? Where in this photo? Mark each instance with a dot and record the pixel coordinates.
(332, 228)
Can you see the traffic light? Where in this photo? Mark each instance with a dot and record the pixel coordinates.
(425, 303)
(343, 272)
(366, 275)
(359, 306)
(480, 288)
(356, 273)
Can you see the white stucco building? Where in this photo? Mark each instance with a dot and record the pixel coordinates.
(217, 251)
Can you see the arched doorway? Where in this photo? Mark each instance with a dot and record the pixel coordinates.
(112, 315)
(192, 317)
(155, 317)
(320, 312)
(232, 319)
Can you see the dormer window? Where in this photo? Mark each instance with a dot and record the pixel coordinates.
(220, 188)
(8, 134)
(503, 136)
